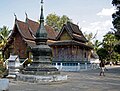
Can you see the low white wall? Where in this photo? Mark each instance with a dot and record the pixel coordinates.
(79, 67)
(4, 84)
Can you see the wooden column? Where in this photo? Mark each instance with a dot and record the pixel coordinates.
(76, 52)
(56, 52)
(72, 53)
(53, 52)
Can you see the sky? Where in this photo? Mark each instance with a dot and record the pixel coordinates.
(91, 15)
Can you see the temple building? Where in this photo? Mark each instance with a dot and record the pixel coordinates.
(69, 48)
(70, 45)
(22, 38)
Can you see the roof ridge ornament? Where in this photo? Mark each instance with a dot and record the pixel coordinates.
(26, 15)
(15, 16)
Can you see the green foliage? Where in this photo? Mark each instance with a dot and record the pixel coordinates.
(116, 24)
(4, 35)
(117, 48)
(108, 44)
(92, 41)
(116, 17)
(4, 32)
(115, 56)
(2, 69)
(102, 53)
(97, 44)
(89, 37)
(56, 21)
(115, 2)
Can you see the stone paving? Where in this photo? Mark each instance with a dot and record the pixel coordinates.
(77, 81)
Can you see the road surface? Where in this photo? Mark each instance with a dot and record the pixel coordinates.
(77, 81)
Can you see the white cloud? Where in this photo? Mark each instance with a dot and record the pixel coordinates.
(84, 21)
(102, 27)
(106, 12)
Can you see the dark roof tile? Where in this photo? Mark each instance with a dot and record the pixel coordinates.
(71, 42)
(73, 31)
(34, 26)
(24, 30)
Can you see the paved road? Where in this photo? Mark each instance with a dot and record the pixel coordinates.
(77, 81)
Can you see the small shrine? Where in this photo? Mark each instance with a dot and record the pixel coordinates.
(13, 66)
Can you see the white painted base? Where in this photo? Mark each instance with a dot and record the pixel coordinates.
(11, 76)
(79, 67)
(39, 79)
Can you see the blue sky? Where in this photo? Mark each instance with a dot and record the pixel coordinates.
(90, 15)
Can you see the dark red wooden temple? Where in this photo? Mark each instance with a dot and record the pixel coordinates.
(68, 46)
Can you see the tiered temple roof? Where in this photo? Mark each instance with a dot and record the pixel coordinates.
(77, 37)
(27, 31)
(73, 31)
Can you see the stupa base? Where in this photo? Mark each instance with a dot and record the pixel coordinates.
(39, 79)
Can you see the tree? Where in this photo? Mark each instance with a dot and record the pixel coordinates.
(115, 56)
(56, 21)
(96, 45)
(109, 43)
(117, 48)
(116, 23)
(3, 37)
(116, 15)
(89, 38)
(5, 31)
(102, 53)
(92, 41)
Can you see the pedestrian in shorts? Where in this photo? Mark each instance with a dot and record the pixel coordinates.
(102, 68)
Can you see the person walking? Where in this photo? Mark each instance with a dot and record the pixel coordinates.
(102, 68)
(110, 63)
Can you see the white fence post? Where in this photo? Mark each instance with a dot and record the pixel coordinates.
(56, 66)
(86, 66)
(78, 66)
(60, 66)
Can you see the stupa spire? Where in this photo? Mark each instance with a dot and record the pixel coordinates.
(41, 33)
(42, 16)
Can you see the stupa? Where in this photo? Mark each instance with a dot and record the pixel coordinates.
(42, 53)
(41, 68)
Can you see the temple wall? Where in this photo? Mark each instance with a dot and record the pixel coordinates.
(19, 46)
(70, 53)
